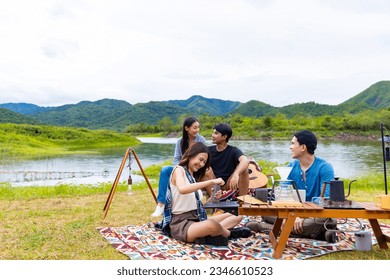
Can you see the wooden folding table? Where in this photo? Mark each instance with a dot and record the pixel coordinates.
(288, 214)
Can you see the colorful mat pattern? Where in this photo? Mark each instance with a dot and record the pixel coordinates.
(146, 242)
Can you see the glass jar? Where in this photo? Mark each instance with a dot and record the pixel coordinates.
(284, 191)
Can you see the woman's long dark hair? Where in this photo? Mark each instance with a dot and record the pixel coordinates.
(185, 141)
(192, 152)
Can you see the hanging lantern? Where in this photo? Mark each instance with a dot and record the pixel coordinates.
(386, 139)
(129, 180)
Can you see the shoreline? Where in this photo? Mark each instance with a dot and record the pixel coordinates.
(342, 136)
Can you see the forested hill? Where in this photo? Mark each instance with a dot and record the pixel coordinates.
(376, 97)
(199, 105)
(8, 116)
(24, 108)
(117, 114)
(109, 114)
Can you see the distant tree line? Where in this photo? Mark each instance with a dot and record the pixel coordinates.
(278, 126)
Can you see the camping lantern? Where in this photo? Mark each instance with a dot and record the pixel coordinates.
(387, 149)
(129, 180)
(385, 144)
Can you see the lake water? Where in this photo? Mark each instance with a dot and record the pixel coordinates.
(349, 159)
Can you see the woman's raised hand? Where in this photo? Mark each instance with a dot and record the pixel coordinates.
(218, 181)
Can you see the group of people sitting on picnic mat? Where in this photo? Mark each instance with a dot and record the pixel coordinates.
(199, 168)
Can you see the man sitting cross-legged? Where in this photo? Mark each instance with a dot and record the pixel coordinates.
(227, 162)
(309, 173)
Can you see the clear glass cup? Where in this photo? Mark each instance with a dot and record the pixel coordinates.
(216, 189)
(321, 201)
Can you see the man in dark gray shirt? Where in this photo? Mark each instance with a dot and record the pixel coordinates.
(228, 162)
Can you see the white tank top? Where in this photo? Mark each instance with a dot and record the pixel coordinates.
(182, 203)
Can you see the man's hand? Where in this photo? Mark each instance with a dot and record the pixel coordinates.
(233, 183)
(298, 226)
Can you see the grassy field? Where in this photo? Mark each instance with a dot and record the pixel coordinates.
(32, 141)
(59, 223)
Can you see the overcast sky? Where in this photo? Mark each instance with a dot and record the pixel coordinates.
(279, 52)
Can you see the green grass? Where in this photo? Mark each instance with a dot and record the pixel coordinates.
(59, 223)
(30, 141)
(27, 193)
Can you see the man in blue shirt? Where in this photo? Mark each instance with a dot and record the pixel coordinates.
(309, 173)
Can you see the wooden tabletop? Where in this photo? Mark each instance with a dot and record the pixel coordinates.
(309, 209)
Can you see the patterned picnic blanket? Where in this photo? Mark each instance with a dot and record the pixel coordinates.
(147, 242)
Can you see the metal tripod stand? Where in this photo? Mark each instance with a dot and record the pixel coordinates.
(118, 175)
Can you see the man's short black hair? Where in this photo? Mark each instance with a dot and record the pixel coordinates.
(307, 138)
(224, 129)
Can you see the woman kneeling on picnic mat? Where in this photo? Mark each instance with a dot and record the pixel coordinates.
(184, 216)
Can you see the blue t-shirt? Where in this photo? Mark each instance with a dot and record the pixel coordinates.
(319, 172)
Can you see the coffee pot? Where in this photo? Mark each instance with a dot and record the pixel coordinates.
(283, 190)
(337, 190)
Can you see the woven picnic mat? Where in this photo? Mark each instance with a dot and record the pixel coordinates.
(139, 242)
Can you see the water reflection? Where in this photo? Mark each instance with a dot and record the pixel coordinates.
(350, 160)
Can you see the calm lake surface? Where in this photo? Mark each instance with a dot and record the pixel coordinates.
(349, 159)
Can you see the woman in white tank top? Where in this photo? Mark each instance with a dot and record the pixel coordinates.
(186, 217)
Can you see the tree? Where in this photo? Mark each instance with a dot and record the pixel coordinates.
(166, 124)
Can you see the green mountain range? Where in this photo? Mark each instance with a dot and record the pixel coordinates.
(117, 114)
(8, 116)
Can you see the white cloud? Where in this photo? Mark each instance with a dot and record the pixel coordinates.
(278, 52)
